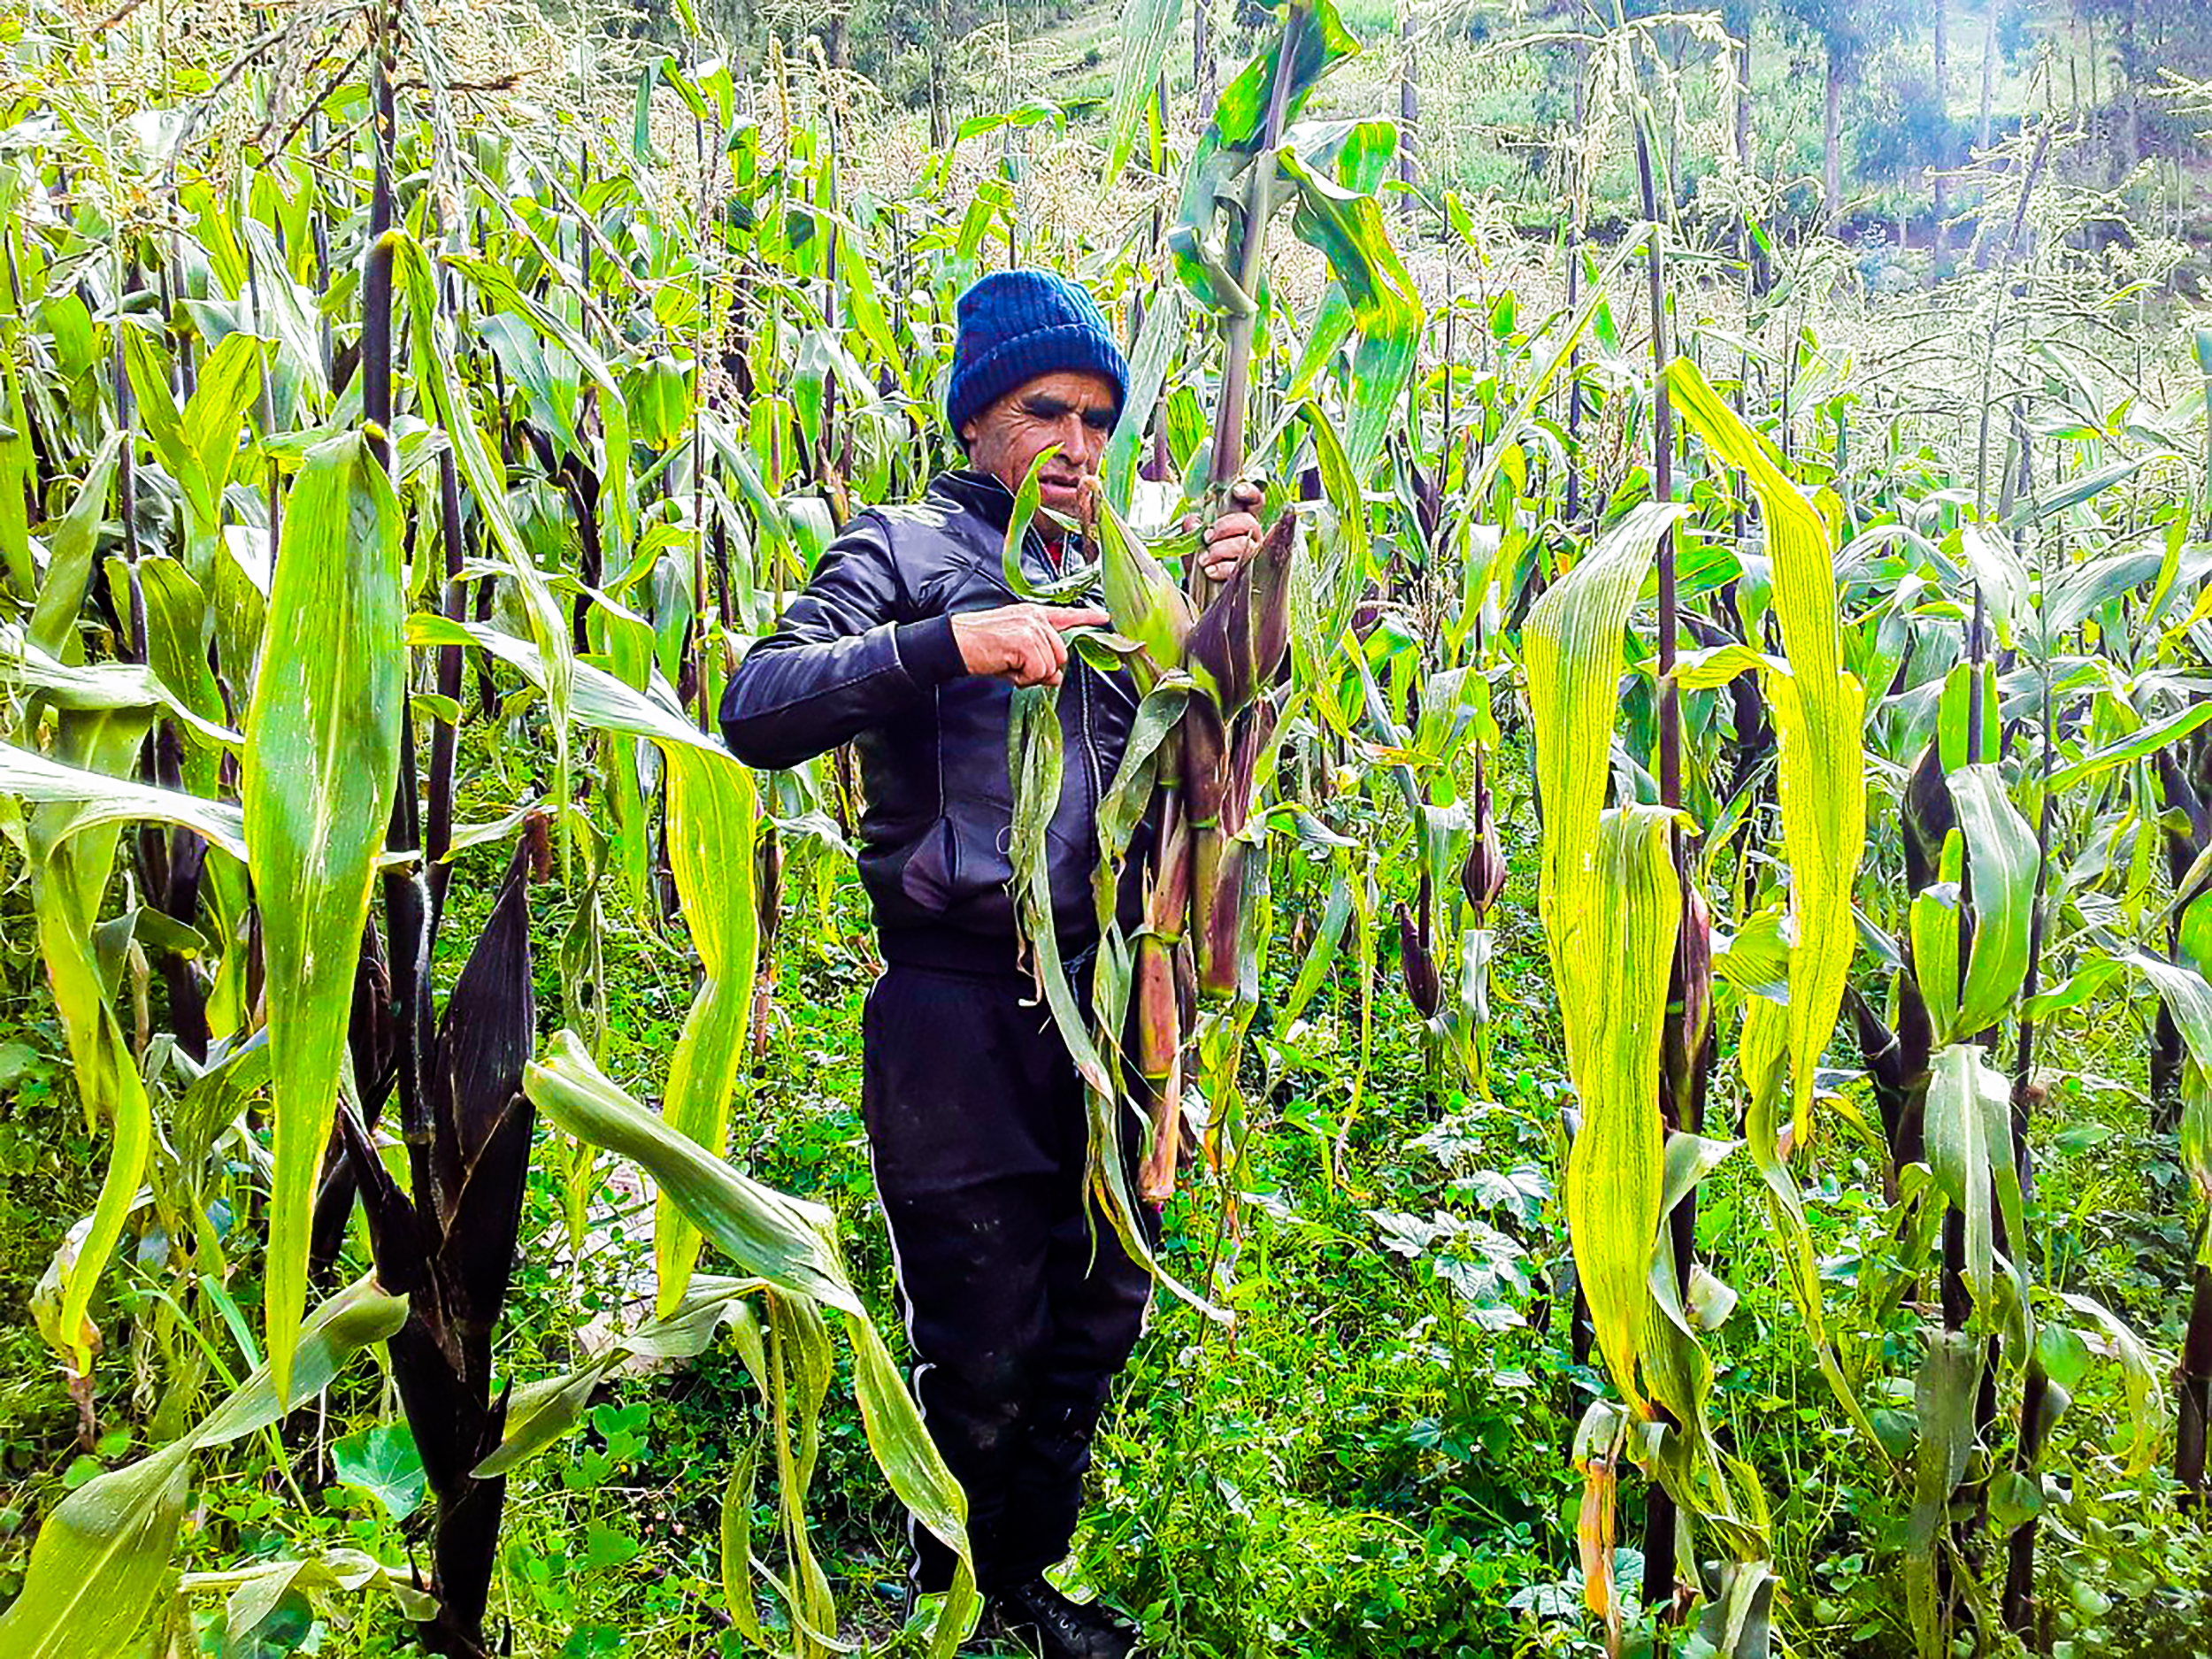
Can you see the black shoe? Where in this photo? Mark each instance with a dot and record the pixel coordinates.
(1112, 1636)
(1053, 1627)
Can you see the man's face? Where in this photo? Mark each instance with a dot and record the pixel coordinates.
(1072, 409)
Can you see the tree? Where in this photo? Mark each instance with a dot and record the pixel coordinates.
(1848, 34)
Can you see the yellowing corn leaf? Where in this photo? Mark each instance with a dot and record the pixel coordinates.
(1610, 902)
(1623, 931)
(1819, 710)
(321, 759)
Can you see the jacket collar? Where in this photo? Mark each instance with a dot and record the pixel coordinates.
(978, 492)
(989, 500)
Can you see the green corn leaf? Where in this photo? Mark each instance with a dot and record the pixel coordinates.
(737, 1547)
(787, 1241)
(1347, 226)
(2002, 858)
(543, 1411)
(103, 1555)
(1322, 43)
(433, 355)
(598, 699)
(2147, 741)
(16, 462)
(322, 759)
(1146, 27)
(1145, 602)
(1819, 710)
(1943, 1396)
(1150, 362)
(2140, 1377)
(1761, 1053)
(53, 625)
(1970, 1152)
(25, 663)
(1572, 652)
(70, 863)
(712, 815)
(99, 1560)
(101, 800)
(789, 1244)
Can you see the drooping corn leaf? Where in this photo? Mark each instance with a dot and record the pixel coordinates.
(1969, 1153)
(322, 759)
(712, 815)
(102, 800)
(788, 1243)
(2140, 1377)
(1572, 652)
(103, 1554)
(70, 863)
(543, 1411)
(1943, 1396)
(1819, 714)
(785, 1241)
(1623, 924)
(25, 663)
(1761, 1051)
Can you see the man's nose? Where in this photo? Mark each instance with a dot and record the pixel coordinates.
(1084, 440)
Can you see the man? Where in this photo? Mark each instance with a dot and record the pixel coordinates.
(908, 641)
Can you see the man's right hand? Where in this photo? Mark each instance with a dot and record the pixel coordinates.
(1022, 644)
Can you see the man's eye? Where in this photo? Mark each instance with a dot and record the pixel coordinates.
(1099, 419)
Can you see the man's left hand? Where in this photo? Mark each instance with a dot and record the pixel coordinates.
(1233, 537)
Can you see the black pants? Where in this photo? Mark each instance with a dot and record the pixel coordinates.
(1019, 1315)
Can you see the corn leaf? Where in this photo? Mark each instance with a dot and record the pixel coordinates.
(69, 547)
(712, 816)
(790, 1244)
(1819, 710)
(1969, 1153)
(1943, 1397)
(103, 1555)
(1146, 26)
(102, 800)
(1761, 1051)
(321, 763)
(2002, 858)
(434, 355)
(1609, 902)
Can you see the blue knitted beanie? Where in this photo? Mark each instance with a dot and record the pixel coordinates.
(1018, 325)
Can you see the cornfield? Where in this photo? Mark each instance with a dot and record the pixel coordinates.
(391, 473)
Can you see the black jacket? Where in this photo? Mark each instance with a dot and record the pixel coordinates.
(866, 652)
